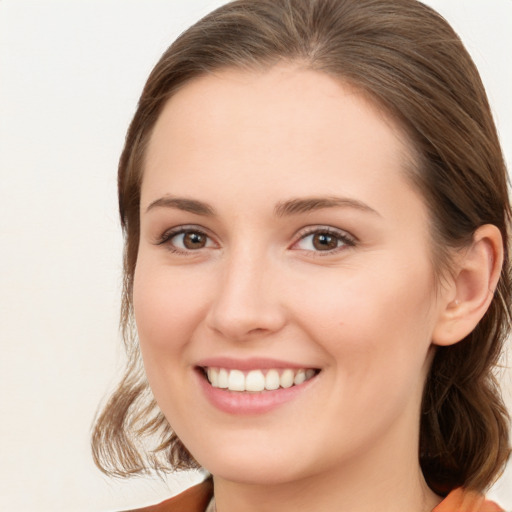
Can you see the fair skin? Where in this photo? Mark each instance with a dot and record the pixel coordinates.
(279, 232)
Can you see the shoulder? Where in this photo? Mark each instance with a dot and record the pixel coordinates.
(195, 499)
(463, 500)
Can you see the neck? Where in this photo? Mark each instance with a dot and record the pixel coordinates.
(327, 495)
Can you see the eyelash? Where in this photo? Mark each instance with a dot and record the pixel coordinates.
(345, 238)
(167, 236)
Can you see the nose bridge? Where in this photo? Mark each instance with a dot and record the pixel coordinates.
(245, 302)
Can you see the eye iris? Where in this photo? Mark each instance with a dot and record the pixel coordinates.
(194, 240)
(324, 242)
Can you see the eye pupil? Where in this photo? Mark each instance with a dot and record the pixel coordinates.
(324, 242)
(193, 240)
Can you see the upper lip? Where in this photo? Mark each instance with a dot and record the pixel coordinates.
(254, 363)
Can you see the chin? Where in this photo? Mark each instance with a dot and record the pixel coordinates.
(252, 473)
(259, 465)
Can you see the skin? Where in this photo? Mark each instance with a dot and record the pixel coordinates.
(365, 313)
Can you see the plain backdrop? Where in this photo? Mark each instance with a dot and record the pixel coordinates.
(70, 75)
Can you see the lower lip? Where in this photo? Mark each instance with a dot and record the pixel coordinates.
(237, 402)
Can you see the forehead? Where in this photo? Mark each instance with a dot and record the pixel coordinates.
(289, 125)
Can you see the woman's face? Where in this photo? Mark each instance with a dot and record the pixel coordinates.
(282, 241)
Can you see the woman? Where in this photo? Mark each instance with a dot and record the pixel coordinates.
(316, 216)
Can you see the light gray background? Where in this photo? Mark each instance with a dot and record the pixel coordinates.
(70, 75)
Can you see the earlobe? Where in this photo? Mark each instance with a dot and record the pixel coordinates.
(471, 286)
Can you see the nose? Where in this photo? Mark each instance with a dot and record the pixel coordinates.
(247, 303)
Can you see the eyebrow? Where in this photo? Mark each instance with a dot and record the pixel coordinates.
(282, 209)
(309, 204)
(182, 203)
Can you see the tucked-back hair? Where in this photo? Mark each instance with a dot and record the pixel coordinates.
(407, 59)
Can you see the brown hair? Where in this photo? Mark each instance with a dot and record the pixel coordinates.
(408, 59)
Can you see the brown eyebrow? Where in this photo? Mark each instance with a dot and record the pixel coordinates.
(309, 204)
(182, 203)
(282, 209)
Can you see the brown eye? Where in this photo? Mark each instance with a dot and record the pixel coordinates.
(184, 240)
(194, 240)
(327, 240)
(324, 241)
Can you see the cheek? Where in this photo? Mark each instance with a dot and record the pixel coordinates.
(372, 322)
(167, 306)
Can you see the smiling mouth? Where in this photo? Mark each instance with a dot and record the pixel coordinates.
(257, 380)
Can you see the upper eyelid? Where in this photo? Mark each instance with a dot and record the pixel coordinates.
(318, 228)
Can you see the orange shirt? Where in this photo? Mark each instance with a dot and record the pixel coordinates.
(196, 499)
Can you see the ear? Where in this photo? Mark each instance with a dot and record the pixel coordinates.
(470, 289)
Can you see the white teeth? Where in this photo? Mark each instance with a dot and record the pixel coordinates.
(213, 377)
(300, 377)
(257, 380)
(272, 380)
(287, 379)
(236, 381)
(223, 379)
